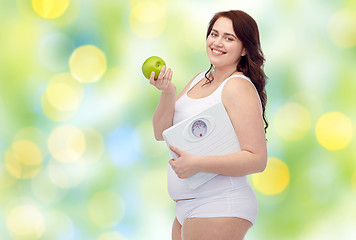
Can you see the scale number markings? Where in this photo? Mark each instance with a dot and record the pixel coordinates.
(199, 128)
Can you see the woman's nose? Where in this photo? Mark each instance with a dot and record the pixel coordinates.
(218, 42)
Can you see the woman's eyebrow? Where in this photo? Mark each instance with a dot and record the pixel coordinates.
(229, 34)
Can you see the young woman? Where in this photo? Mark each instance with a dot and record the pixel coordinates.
(224, 207)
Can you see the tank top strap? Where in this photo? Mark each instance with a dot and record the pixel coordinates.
(221, 87)
(196, 80)
(236, 75)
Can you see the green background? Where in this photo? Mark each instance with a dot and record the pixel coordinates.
(117, 189)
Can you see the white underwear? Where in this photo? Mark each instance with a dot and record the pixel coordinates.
(241, 203)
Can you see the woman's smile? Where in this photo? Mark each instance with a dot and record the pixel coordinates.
(217, 52)
(222, 41)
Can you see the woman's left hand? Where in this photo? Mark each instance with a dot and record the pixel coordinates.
(185, 165)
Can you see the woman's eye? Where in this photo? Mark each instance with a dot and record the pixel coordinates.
(229, 39)
(214, 34)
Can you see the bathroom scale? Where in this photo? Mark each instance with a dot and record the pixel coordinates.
(208, 133)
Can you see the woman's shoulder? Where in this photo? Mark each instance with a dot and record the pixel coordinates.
(240, 89)
(239, 86)
(240, 75)
(238, 80)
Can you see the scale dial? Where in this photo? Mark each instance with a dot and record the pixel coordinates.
(199, 128)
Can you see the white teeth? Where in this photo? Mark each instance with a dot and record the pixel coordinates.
(217, 52)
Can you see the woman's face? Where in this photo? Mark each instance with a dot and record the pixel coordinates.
(222, 45)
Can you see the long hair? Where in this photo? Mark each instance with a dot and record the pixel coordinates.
(251, 64)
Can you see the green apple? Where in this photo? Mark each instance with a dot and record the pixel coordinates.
(152, 64)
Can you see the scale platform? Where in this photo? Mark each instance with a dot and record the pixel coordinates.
(209, 133)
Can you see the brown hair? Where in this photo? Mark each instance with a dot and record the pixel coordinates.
(250, 64)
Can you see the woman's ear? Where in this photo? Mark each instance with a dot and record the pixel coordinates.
(243, 52)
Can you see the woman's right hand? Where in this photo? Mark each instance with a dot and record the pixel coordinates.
(164, 81)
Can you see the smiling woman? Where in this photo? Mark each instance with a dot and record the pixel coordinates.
(220, 42)
(49, 180)
(243, 31)
(225, 207)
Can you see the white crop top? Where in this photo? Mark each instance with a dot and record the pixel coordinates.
(186, 107)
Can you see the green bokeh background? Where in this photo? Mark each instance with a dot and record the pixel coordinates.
(120, 189)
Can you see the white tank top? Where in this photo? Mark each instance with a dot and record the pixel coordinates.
(186, 107)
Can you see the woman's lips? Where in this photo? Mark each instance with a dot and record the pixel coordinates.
(217, 52)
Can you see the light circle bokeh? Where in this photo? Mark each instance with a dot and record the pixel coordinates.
(67, 143)
(50, 9)
(148, 18)
(27, 152)
(52, 113)
(334, 131)
(64, 93)
(26, 222)
(87, 64)
(342, 28)
(24, 159)
(62, 97)
(274, 179)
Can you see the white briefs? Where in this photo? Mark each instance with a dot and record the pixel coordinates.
(241, 203)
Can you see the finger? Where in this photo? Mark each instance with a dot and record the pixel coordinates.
(171, 75)
(168, 74)
(181, 176)
(176, 150)
(152, 76)
(166, 78)
(161, 73)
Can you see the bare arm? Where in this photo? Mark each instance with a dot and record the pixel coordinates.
(164, 113)
(244, 110)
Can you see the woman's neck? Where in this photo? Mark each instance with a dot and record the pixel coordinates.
(220, 74)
